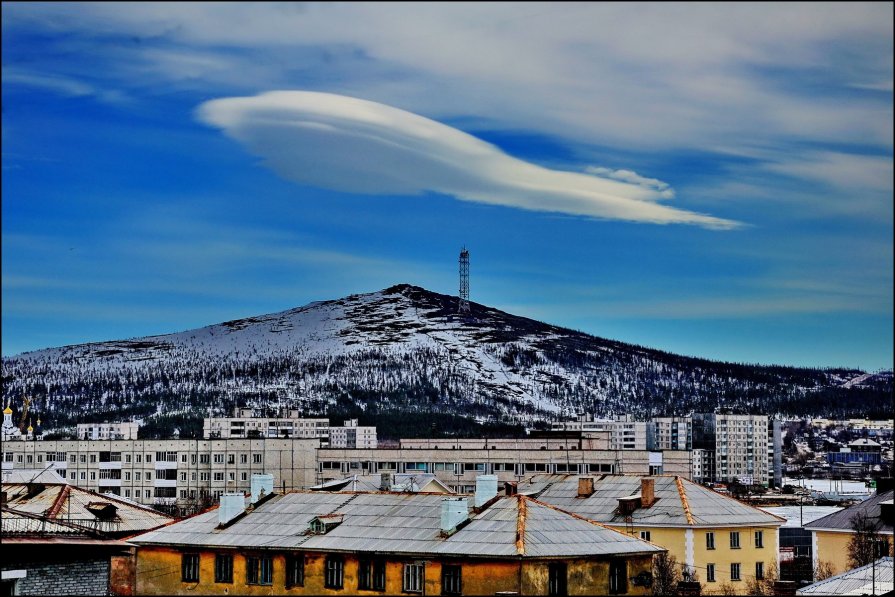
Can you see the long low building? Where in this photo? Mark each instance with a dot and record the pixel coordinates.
(169, 471)
(323, 543)
(458, 463)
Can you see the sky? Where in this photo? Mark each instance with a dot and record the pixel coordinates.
(709, 179)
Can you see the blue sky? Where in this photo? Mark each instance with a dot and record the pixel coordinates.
(709, 179)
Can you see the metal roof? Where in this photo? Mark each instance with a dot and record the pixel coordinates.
(876, 578)
(403, 523)
(799, 516)
(69, 503)
(678, 502)
(842, 520)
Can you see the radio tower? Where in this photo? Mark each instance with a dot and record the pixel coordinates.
(463, 306)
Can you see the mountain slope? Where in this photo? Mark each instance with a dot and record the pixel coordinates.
(404, 350)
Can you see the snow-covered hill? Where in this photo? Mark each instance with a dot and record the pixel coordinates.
(404, 349)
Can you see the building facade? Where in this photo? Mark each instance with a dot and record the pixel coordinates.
(169, 472)
(359, 543)
(351, 435)
(457, 463)
(108, 430)
(743, 450)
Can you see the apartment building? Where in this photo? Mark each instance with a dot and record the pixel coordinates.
(672, 433)
(108, 430)
(743, 448)
(387, 543)
(245, 423)
(724, 542)
(351, 435)
(171, 471)
(457, 463)
(624, 432)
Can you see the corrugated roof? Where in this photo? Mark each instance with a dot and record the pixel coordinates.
(404, 523)
(873, 579)
(798, 516)
(69, 503)
(842, 520)
(674, 496)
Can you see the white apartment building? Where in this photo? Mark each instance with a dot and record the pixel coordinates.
(108, 430)
(672, 433)
(740, 444)
(625, 433)
(352, 436)
(169, 471)
(244, 424)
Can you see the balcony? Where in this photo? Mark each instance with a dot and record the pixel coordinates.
(109, 465)
(165, 483)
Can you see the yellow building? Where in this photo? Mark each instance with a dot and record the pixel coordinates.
(723, 541)
(357, 543)
(832, 534)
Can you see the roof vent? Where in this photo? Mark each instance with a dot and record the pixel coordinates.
(262, 485)
(485, 489)
(232, 505)
(454, 511)
(585, 487)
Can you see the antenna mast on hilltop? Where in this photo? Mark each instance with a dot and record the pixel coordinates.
(463, 306)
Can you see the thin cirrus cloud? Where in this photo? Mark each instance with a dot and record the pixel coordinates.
(353, 145)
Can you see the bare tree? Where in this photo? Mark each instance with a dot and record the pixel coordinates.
(665, 574)
(764, 585)
(866, 543)
(823, 570)
(727, 588)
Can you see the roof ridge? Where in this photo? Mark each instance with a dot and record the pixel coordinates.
(521, 513)
(683, 493)
(58, 502)
(579, 517)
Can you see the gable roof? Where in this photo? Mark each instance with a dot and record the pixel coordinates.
(80, 506)
(858, 581)
(679, 502)
(404, 523)
(842, 520)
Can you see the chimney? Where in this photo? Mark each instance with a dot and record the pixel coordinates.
(385, 481)
(453, 512)
(510, 488)
(232, 505)
(647, 492)
(262, 485)
(585, 487)
(485, 489)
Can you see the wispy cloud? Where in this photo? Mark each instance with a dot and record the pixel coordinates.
(354, 145)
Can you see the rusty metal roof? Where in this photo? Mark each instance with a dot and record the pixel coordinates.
(678, 502)
(514, 526)
(75, 504)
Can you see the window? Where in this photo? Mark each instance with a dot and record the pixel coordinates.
(295, 570)
(219, 458)
(139, 458)
(734, 572)
(259, 570)
(256, 458)
(231, 458)
(219, 476)
(414, 577)
(203, 476)
(759, 538)
(127, 476)
(759, 570)
(371, 574)
(334, 573)
(204, 458)
(556, 578)
(710, 572)
(735, 540)
(618, 577)
(243, 459)
(149, 458)
(243, 476)
(710, 540)
(451, 579)
(183, 458)
(71, 458)
(645, 535)
(189, 567)
(83, 458)
(223, 567)
(137, 475)
(148, 475)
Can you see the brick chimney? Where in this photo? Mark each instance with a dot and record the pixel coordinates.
(585, 487)
(647, 492)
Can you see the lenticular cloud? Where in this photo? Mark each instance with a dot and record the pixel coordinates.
(348, 144)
